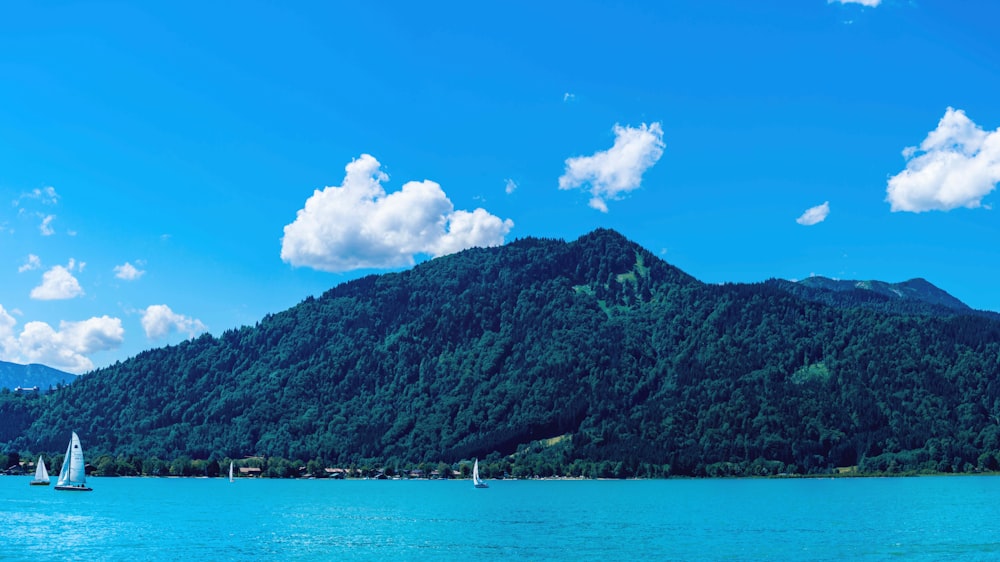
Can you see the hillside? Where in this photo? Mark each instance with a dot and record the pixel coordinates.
(637, 368)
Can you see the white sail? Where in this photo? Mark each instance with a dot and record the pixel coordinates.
(41, 474)
(230, 471)
(73, 476)
(64, 471)
(476, 481)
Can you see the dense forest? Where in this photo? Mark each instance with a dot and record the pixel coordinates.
(544, 357)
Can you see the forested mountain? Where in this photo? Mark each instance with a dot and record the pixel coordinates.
(611, 361)
(918, 290)
(916, 296)
(13, 375)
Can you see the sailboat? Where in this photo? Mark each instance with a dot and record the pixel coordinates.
(73, 477)
(41, 474)
(476, 481)
(230, 471)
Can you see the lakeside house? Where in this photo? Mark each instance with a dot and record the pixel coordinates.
(336, 473)
(250, 471)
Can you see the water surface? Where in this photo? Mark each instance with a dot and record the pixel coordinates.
(927, 518)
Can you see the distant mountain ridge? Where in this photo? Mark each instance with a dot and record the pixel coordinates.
(915, 296)
(621, 363)
(13, 375)
(915, 289)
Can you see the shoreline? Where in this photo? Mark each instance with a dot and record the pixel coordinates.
(558, 478)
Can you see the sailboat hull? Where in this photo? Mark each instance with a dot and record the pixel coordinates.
(37, 483)
(70, 488)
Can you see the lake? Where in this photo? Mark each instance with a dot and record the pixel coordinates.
(925, 518)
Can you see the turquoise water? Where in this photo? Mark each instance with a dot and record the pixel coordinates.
(928, 518)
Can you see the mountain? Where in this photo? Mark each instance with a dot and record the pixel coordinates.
(14, 375)
(914, 290)
(916, 296)
(542, 356)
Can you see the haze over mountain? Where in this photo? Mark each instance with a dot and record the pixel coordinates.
(618, 359)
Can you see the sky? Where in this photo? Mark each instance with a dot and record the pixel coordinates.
(169, 169)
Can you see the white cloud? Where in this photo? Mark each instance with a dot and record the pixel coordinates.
(158, 321)
(618, 170)
(32, 263)
(358, 225)
(46, 225)
(814, 215)
(567, 97)
(128, 272)
(7, 340)
(957, 165)
(65, 349)
(510, 186)
(47, 195)
(58, 283)
(870, 3)
(470, 229)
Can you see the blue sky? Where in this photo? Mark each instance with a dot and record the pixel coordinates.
(172, 168)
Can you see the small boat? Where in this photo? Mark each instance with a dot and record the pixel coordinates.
(73, 477)
(476, 481)
(41, 474)
(230, 471)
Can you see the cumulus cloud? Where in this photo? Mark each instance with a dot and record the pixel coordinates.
(59, 283)
(510, 186)
(128, 272)
(618, 170)
(158, 321)
(358, 225)
(957, 165)
(66, 348)
(31, 263)
(814, 215)
(870, 3)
